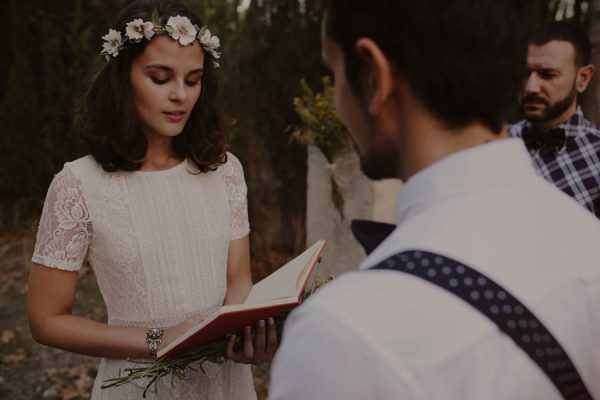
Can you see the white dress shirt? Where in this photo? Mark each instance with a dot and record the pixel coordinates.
(389, 335)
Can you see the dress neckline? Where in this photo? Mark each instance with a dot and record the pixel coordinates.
(172, 169)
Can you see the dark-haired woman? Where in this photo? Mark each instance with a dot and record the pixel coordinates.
(159, 208)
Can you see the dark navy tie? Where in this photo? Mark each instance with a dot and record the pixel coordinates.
(370, 234)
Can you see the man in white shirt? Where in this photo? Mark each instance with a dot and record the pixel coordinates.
(424, 89)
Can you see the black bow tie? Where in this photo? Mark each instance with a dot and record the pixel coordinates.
(537, 139)
(370, 233)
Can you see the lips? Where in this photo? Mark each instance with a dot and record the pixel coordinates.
(532, 100)
(174, 116)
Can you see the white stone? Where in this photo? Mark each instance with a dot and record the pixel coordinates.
(362, 199)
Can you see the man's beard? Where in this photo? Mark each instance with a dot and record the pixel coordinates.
(381, 162)
(552, 111)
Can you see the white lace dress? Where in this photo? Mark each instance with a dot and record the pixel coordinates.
(157, 242)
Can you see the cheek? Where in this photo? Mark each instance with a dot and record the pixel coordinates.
(142, 95)
(147, 98)
(342, 98)
(195, 93)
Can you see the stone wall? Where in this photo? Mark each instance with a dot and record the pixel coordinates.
(362, 199)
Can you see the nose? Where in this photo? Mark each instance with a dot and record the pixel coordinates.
(533, 84)
(178, 92)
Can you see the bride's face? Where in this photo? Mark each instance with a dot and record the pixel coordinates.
(166, 82)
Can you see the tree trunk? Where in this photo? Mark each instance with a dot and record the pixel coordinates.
(591, 100)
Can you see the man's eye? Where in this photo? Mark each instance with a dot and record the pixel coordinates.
(159, 81)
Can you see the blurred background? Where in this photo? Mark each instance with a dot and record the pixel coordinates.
(276, 103)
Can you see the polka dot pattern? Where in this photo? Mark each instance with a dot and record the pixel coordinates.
(509, 314)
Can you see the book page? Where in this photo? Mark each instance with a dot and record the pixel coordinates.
(287, 280)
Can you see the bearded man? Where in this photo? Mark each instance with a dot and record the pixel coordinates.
(564, 146)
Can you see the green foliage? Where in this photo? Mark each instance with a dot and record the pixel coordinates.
(320, 125)
(50, 49)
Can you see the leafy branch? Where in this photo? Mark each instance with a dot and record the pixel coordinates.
(320, 125)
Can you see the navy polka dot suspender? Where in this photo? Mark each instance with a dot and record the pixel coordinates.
(496, 303)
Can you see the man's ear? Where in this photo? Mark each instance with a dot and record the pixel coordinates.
(584, 76)
(379, 80)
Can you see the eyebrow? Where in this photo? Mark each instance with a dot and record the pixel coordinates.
(169, 69)
(545, 70)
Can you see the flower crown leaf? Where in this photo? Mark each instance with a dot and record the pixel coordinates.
(155, 17)
(178, 27)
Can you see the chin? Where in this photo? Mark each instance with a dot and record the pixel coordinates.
(378, 168)
(171, 132)
(537, 117)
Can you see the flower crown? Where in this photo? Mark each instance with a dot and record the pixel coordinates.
(178, 27)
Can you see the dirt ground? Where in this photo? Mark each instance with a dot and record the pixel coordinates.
(32, 371)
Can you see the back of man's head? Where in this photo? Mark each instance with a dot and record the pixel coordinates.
(463, 59)
(565, 31)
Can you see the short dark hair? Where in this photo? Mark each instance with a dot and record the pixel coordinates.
(565, 31)
(107, 118)
(465, 60)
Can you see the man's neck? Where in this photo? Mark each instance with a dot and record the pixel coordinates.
(430, 145)
(422, 139)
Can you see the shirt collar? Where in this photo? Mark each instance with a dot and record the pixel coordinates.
(575, 120)
(491, 165)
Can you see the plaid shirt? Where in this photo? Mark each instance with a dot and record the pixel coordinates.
(575, 168)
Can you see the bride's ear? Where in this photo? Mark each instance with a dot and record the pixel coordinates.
(378, 81)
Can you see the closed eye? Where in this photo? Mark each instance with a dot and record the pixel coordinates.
(159, 81)
(547, 73)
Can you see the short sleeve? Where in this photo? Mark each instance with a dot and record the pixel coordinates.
(65, 228)
(235, 184)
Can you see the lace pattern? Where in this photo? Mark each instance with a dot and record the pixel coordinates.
(237, 193)
(65, 227)
(158, 248)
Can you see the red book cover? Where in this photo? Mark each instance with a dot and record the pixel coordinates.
(271, 297)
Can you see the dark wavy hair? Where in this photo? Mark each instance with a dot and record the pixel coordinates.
(464, 59)
(109, 123)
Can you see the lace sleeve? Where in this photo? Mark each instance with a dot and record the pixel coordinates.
(236, 192)
(65, 227)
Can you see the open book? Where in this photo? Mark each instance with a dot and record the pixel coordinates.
(272, 296)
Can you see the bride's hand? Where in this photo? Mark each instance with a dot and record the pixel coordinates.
(174, 332)
(261, 349)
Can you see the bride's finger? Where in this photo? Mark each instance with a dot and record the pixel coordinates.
(248, 346)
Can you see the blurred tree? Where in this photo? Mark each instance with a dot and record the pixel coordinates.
(591, 104)
(278, 43)
(51, 48)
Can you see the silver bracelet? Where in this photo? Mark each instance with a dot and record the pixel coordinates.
(154, 339)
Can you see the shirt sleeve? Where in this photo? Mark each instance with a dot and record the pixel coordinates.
(65, 227)
(322, 358)
(237, 195)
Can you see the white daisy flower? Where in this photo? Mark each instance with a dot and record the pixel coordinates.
(113, 42)
(138, 29)
(210, 43)
(181, 29)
